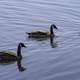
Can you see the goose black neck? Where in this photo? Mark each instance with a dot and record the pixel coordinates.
(19, 52)
(51, 30)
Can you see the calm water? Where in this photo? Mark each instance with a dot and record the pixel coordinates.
(40, 60)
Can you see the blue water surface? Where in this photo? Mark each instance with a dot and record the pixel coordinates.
(42, 62)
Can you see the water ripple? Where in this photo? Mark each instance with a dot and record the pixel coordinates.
(40, 60)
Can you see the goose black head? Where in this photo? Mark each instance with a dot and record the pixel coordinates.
(22, 44)
(54, 26)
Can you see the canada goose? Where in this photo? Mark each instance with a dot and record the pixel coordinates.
(42, 34)
(9, 57)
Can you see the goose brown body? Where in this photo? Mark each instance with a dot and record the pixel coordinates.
(39, 34)
(8, 57)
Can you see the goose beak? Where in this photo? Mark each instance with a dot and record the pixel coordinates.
(25, 46)
(28, 33)
(55, 27)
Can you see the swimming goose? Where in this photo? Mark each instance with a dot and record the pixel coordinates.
(42, 34)
(7, 56)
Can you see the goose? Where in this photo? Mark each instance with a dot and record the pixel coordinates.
(42, 34)
(9, 57)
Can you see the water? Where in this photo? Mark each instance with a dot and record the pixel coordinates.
(40, 60)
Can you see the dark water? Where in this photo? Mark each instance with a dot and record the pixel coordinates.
(40, 60)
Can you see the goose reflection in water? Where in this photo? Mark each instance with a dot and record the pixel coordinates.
(51, 39)
(52, 43)
(20, 67)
